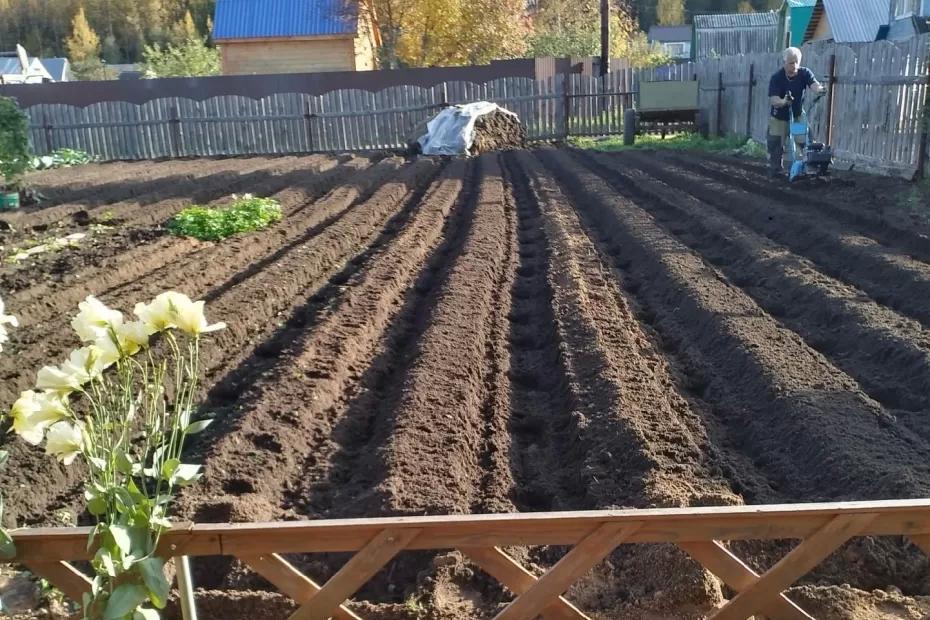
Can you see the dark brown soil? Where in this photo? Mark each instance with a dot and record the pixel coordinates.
(498, 131)
(525, 331)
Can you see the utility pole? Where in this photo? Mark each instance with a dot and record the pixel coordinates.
(605, 37)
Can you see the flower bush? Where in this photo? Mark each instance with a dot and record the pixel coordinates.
(123, 404)
(15, 155)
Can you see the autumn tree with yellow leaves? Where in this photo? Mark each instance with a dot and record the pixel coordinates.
(572, 28)
(446, 32)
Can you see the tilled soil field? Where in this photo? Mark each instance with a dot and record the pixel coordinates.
(525, 331)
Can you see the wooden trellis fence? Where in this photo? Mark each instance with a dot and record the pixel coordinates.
(701, 532)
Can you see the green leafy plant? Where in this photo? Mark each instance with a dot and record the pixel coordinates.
(15, 157)
(62, 158)
(123, 404)
(189, 58)
(740, 147)
(244, 214)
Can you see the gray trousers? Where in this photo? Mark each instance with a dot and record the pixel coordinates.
(775, 142)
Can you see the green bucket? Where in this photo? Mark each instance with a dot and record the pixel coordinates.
(9, 200)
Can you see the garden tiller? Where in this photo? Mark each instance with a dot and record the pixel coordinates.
(807, 157)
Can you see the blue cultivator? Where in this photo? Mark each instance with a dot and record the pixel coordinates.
(808, 158)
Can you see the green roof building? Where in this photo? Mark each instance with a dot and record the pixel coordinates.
(795, 16)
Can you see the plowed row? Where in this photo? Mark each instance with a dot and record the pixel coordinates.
(548, 330)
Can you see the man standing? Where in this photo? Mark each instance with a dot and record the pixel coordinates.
(787, 88)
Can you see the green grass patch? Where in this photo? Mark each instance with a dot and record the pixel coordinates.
(244, 214)
(741, 147)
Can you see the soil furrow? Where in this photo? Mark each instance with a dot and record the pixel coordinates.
(291, 405)
(161, 179)
(271, 292)
(871, 211)
(63, 181)
(888, 276)
(111, 181)
(343, 478)
(815, 433)
(205, 274)
(495, 488)
(642, 444)
(889, 355)
(110, 273)
(432, 457)
(160, 194)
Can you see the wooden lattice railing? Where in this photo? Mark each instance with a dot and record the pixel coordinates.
(822, 528)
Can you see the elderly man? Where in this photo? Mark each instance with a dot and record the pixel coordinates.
(787, 88)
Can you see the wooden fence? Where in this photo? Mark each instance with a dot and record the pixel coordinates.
(873, 116)
(700, 532)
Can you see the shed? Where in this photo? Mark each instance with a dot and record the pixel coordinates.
(17, 67)
(848, 21)
(675, 40)
(292, 36)
(58, 68)
(728, 34)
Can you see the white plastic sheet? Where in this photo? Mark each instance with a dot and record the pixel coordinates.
(452, 131)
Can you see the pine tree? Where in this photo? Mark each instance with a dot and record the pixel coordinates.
(83, 44)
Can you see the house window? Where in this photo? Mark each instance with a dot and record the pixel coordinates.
(675, 49)
(904, 8)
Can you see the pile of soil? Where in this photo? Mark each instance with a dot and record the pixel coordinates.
(498, 131)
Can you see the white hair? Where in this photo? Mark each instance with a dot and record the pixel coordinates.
(792, 53)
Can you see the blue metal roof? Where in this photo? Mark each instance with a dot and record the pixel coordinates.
(670, 34)
(57, 68)
(254, 19)
(854, 21)
(711, 21)
(10, 66)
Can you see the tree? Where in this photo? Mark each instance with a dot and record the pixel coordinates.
(84, 49)
(444, 32)
(491, 29)
(571, 28)
(745, 7)
(429, 25)
(184, 29)
(188, 59)
(671, 12)
(83, 43)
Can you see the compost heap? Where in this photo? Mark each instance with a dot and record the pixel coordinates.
(472, 129)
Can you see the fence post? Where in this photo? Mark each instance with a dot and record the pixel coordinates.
(923, 150)
(47, 125)
(566, 104)
(831, 97)
(308, 116)
(752, 84)
(176, 136)
(720, 104)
